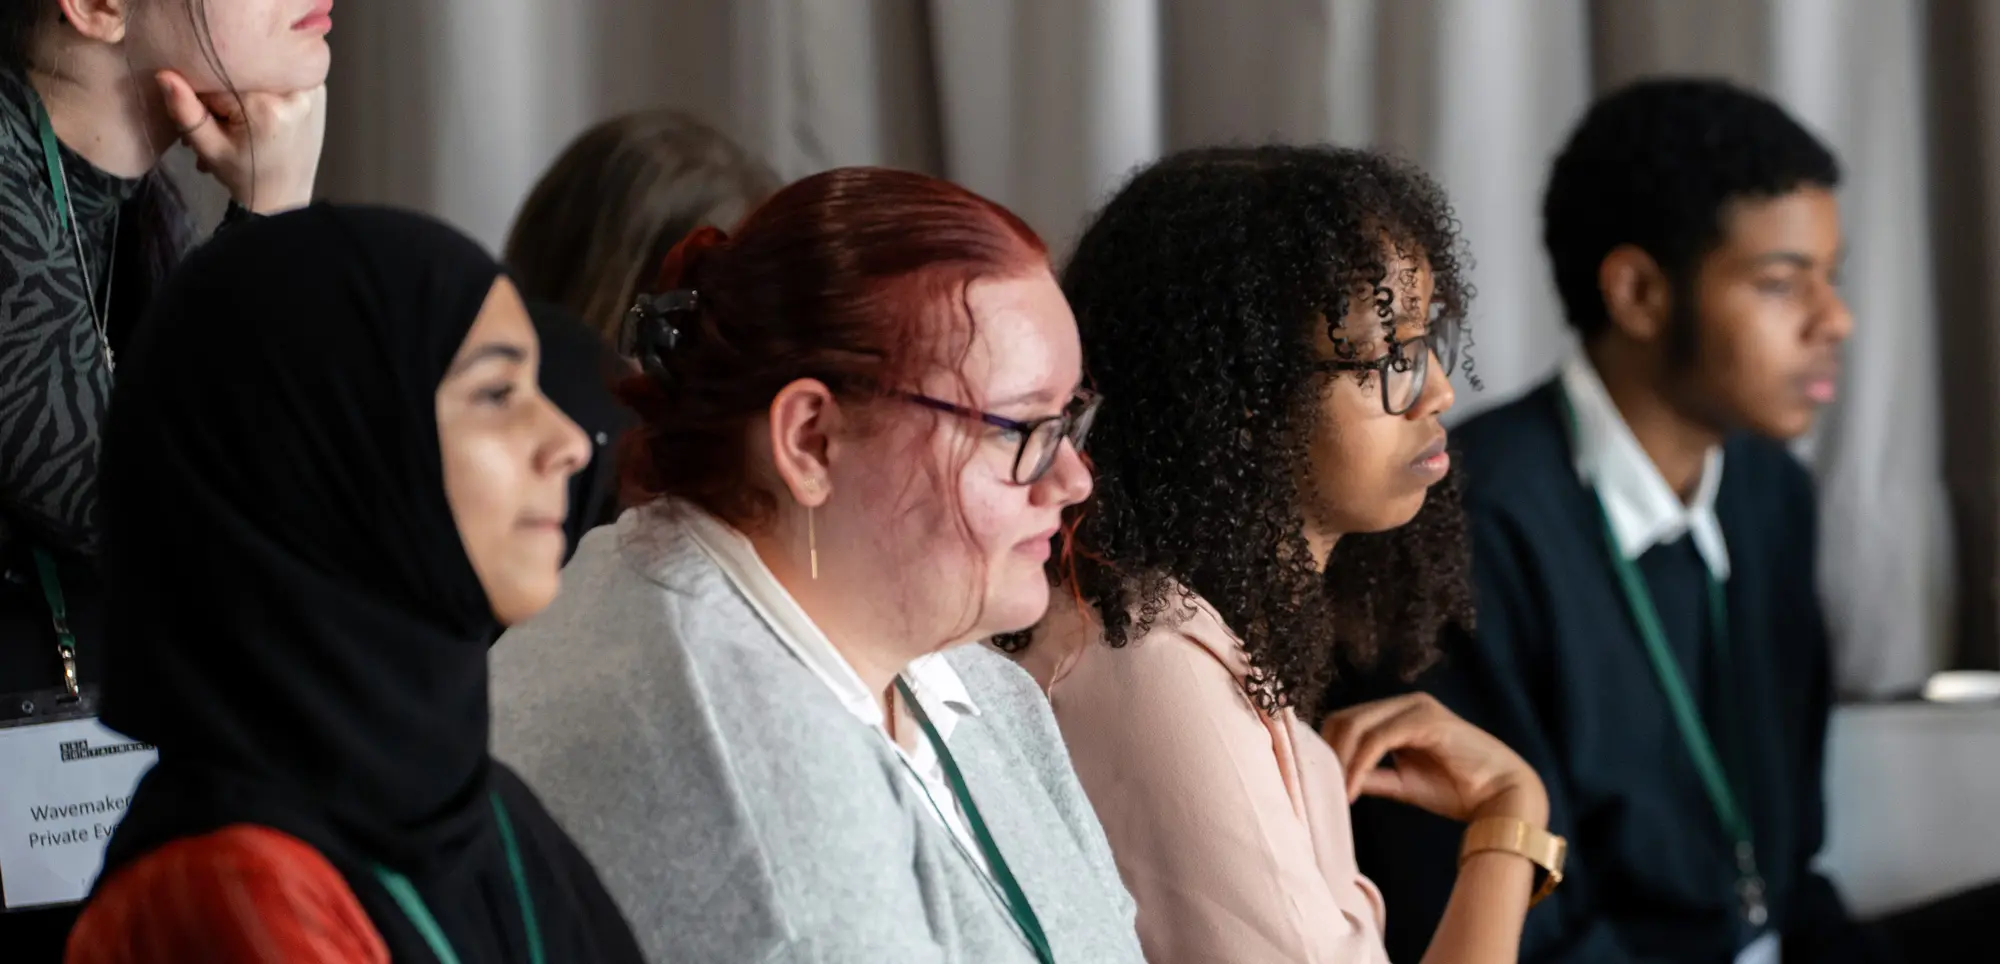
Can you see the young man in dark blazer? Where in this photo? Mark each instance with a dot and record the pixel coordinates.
(1649, 634)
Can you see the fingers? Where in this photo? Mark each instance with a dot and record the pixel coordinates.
(1343, 730)
(1363, 736)
(183, 105)
(193, 117)
(227, 108)
(1381, 782)
(264, 147)
(1405, 730)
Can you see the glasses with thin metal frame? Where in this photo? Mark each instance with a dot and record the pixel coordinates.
(1041, 438)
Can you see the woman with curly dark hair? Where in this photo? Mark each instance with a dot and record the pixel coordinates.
(1273, 328)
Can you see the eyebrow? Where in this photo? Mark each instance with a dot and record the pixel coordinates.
(495, 349)
(1041, 395)
(1796, 259)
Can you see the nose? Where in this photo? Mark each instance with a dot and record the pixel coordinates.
(1068, 480)
(565, 449)
(1835, 323)
(1438, 396)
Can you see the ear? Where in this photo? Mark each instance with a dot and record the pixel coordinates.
(804, 418)
(99, 20)
(1636, 294)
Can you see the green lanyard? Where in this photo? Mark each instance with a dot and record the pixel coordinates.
(1010, 889)
(45, 568)
(52, 162)
(66, 219)
(1687, 719)
(412, 903)
(45, 564)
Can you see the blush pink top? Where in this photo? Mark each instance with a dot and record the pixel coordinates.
(1230, 827)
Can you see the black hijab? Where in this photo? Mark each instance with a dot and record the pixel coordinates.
(578, 370)
(294, 622)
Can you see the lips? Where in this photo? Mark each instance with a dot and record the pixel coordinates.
(543, 522)
(1433, 463)
(320, 17)
(1038, 545)
(1431, 451)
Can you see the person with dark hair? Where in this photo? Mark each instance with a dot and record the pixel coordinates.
(1649, 633)
(758, 698)
(92, 93)
(1277, 326)
(594, 229)
(311, 530)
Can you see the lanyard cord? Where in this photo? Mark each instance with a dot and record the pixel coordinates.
(1693, 731)
(1015, 899)
(45, 564)
(413, 907)
(66, 216)
(45, 569)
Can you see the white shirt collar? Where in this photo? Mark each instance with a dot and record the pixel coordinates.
(1643, 509)
(937, 686)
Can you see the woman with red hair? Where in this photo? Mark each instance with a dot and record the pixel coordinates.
(860, 424)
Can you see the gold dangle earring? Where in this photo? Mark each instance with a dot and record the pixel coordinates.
(812, 543)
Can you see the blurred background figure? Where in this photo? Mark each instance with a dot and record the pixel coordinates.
(593, 230)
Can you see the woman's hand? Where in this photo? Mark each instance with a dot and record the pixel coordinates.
(264, 148)
(1442, 763)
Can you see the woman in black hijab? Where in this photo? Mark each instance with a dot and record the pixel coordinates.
(329, 473)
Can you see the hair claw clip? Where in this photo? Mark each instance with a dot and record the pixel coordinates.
(649, 332)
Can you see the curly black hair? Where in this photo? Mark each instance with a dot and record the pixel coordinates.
(1196, 291)
(1655, 164)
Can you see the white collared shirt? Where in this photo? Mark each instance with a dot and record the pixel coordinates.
(937, 686)
(1642, 507)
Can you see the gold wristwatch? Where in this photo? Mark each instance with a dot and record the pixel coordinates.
(1508, 835)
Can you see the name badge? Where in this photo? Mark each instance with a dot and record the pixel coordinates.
(68, 781)
(1763, 950)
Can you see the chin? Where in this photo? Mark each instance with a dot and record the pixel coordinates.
(1786, 426)
(519, 603)
(311, 71)
(305, 70)
(1395, 514)
(1018, 606)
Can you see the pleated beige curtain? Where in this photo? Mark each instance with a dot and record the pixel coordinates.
(454, 106)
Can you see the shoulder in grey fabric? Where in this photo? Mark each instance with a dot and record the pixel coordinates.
(739, 813)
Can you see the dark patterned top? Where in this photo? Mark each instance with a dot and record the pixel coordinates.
(54, 380)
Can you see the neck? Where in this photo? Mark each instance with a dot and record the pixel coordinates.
(1677, 444)
(877, 653)
(102, 109)
(1320, 544)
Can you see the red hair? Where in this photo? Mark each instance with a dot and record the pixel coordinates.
(849, 277)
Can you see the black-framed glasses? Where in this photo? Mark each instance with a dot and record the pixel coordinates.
(1403, 370)
(1041, 438)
